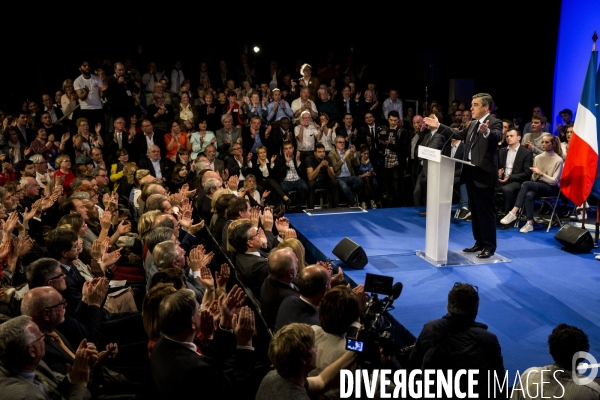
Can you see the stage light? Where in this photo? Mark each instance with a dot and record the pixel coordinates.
(256, 49)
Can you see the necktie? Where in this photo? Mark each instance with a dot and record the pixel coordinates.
(54, 336)
(76, 274)
(473, 133)
(177, 82)
(154, 78)
(120, 140)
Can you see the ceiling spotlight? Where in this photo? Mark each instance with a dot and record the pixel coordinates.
(256, 49)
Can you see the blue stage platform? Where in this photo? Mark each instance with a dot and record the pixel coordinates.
(521, 301)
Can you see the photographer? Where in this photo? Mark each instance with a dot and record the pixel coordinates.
(121, 93)
(339, 313)
(457, 341)
(394, 143)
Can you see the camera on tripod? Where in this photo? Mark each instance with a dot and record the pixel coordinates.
(374, 341)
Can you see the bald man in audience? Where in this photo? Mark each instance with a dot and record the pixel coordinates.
(313, 282)
(283, 268)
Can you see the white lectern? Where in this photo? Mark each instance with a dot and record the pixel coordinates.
(440, 180)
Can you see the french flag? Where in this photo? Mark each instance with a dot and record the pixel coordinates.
(581, 165)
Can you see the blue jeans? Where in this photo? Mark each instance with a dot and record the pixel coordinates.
(299, 186)
(350, 186)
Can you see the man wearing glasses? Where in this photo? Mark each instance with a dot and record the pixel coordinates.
(456, 341)
(23, 371)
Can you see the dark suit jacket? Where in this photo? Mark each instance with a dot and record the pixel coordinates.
(484, 151)
(111, 147)
(294, 309)
(281, 168)
(30, 134)
(84, 323)
(55, 356)
(213, 119)
(272, 293)
(175, 367)
(140, 146)
(252, 271)
(166, 167)
(160, 123)
(75, 283)
(234, 168)
(460, 155)
(523, 161)
(272, 143)
(435, 142)
(376, 148)
(341, 105)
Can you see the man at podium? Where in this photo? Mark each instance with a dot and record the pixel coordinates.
(481, 137)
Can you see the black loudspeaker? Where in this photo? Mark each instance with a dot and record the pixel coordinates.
(351, 254)
(575, 239)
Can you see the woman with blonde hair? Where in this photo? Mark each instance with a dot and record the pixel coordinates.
(68, 101)
(146, 222)
(140, 177)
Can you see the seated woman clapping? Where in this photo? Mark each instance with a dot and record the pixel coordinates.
(547, 168)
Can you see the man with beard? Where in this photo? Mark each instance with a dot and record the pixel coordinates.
(89, 90)
(321, 175)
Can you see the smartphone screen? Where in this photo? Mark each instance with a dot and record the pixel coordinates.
(354, 345)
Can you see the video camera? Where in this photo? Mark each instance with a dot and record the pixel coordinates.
(374, 341)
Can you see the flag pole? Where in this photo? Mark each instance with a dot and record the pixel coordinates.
(597, 221)
(597, 233)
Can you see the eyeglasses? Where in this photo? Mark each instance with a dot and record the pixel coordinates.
(253, 236)
(63, 304)
(38, 339)
(468, 284)
(62, 275)
(236, 148)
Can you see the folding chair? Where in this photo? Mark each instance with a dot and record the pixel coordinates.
(548, 200)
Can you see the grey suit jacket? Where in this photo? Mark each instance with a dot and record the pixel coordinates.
(222, 145)
(13, 387)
